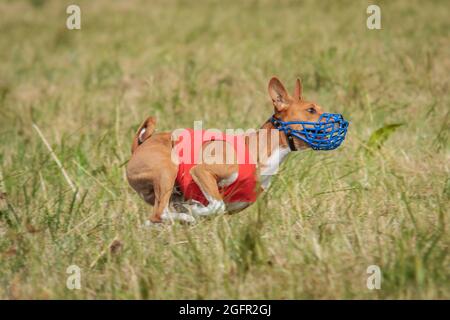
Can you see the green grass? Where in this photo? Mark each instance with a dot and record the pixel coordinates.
(382, 198)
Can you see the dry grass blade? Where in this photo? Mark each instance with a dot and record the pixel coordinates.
(55, 158)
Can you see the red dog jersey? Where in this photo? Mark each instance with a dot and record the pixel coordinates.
(188, 149)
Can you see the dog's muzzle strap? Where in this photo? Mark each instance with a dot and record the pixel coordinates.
(289, 136)
(291, 142)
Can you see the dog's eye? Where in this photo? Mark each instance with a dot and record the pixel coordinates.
(311, 110)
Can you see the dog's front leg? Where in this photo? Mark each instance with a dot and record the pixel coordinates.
(207, 177)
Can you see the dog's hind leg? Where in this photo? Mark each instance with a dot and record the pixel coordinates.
(163, 189)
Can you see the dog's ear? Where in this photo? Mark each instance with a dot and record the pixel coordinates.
(144, 132)
(298, 90)
(278, 94)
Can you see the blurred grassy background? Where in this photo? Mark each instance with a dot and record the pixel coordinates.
(382, 198)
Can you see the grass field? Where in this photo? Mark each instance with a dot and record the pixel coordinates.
(380, 199)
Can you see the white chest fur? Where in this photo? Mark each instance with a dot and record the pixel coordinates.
(271, 166)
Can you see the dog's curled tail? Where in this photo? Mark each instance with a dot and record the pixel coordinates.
(144, 132)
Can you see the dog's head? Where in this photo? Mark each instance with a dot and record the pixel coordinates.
(305, 119)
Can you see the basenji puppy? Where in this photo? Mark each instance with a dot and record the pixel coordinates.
(201, 186)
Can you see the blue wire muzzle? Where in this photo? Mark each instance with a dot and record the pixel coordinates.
(327, 133)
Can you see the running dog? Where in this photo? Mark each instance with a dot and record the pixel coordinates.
(198, 173)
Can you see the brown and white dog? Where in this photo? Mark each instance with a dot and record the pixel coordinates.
(152, 173)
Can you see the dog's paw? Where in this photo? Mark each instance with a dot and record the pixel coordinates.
(214, 207)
